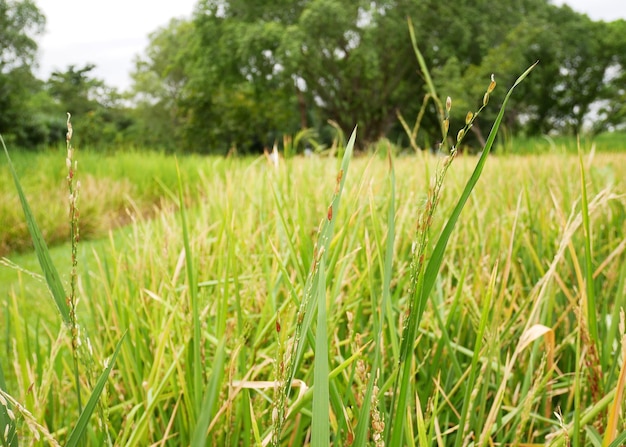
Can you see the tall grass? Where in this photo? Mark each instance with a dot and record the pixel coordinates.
(510, 266)
(115, 188)
(291, 303)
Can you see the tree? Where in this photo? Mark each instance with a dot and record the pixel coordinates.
(241, 74)
(94, 106)
(159, 80)
(342, 60)
(612, 110)
(19, 22)
(239, 94)
(354, 59)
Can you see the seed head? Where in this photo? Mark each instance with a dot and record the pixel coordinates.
(492, 84)
(68, 135)
(460, 135)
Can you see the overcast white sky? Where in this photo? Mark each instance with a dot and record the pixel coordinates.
(108, 33)
(111, 33)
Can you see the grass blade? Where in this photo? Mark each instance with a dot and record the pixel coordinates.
(434, 264)
(619, 441)
(320, 425)
(591, 299)
(211, 397)
(196, 367)
(51, 274)
(325, 236)
(10, 440)
(364, 414)
(426, 281)
(616, 406)
(76, 434)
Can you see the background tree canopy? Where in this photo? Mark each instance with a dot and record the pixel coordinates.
(241, 75)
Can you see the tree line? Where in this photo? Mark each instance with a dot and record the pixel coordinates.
(240, 75)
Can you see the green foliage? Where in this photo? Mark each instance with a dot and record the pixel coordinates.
(255, 72)
(20, 22)
(95, 108)
(55, 286)
(240, 76)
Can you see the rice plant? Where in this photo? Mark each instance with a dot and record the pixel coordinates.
(334, 301)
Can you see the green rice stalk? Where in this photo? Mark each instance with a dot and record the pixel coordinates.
(616, 406)
(306, 310)
(196, 366)
(590, 289)
(412, 133)
(426, 280)
(73, 189)
(620, 440)
(136, 432)
(422, 433)
(470, 389)
(429, 82)
(363, 424)
(76, 435)
(586, 416)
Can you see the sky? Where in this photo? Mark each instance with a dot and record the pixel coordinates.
(110, 34)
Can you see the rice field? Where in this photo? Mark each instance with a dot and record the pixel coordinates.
(250, 306)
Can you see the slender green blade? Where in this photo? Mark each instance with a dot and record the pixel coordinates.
(76, 434)
(426, 281)
(436, 260)
(592, 323)
(360, 439)
(325, 236)
(10, 440)
(619, 441)
(211, 397)
(196, 367)
(320, 425)
(41, 249)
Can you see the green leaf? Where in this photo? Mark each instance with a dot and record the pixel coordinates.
(320, 425)
(76, 434)
(360, 439)
(619, 441)
(325, 236)
(41, 249)
(5, 421)
(436, 260)
(211, 397)
(426, 281)
(196, 366)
